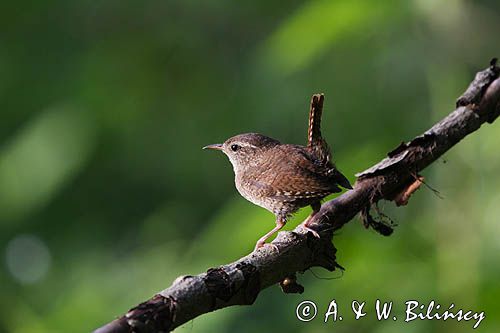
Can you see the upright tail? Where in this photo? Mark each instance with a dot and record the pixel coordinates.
(315, 142)
(317, 145)
(314, 130)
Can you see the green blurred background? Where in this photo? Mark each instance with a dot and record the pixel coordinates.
(106, 195)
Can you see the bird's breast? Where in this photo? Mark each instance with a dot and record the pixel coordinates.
(254, 190)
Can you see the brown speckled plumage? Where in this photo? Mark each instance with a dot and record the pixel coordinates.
(282, 177)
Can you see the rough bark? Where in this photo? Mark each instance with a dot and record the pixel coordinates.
(394, 178)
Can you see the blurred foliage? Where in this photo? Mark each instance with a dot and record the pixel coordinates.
(106, 196)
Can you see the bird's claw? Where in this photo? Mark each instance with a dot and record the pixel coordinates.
(312, 231)
(260, 245)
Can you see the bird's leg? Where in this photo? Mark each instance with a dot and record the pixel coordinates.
(280, 222)
(315, 207)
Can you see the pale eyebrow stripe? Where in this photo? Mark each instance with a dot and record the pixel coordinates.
(246, 144)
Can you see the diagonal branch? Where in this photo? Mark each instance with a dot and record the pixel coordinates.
(240, 282)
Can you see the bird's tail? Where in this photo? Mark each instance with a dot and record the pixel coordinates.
(314, 130)
(317, 145)
(315, 142)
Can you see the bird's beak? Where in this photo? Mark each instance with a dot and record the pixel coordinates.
(216, 146)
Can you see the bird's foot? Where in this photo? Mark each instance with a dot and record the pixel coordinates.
(312, 231)
(262, 244)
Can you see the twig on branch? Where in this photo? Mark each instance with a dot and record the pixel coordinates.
(240, 282)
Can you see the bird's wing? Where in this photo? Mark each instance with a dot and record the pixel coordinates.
(299, 175)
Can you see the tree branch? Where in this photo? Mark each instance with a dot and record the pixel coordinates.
(396, 176)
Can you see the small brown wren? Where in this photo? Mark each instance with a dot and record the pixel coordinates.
(283, 177)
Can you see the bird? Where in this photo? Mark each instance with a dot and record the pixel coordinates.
(283, 178)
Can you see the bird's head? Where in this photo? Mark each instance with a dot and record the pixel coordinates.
(245, 150)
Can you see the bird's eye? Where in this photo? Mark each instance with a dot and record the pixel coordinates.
(235, 147)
